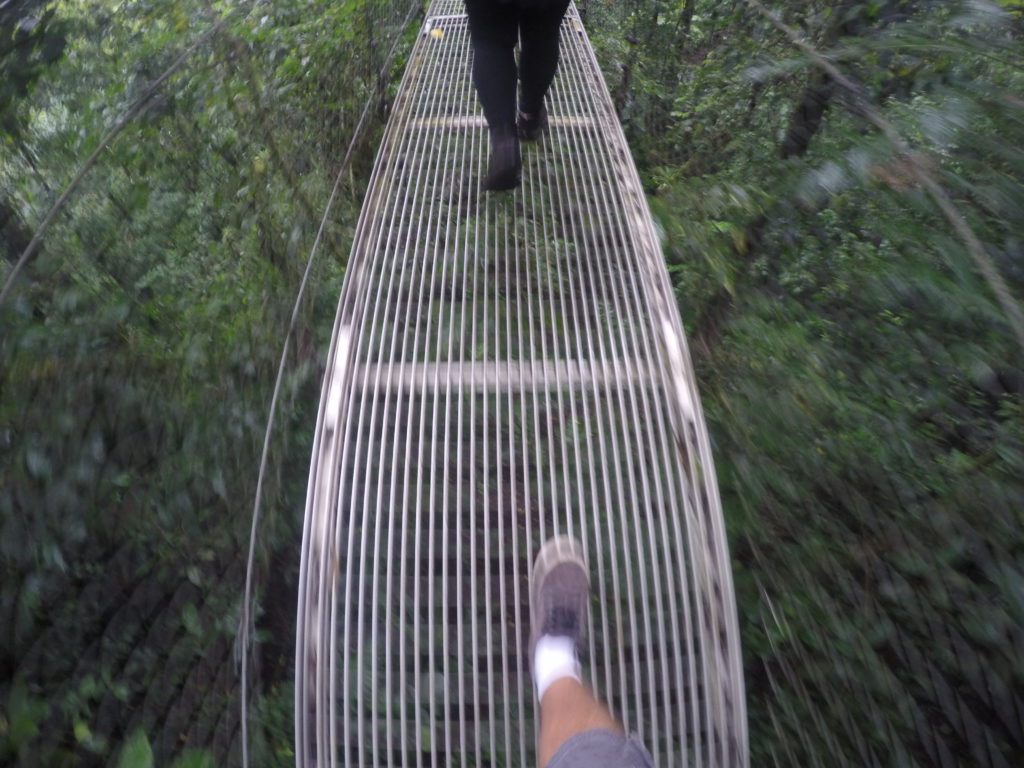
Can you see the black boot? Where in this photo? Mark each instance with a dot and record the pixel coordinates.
(532, 124)
(505, 165)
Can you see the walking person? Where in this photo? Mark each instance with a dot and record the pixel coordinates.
(494, 27)
(576, 730)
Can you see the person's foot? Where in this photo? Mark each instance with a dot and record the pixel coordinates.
(559, 590)
(558, 612)
(505, 165)
(532, 124)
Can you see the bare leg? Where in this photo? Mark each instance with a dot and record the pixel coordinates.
(568, 708)
(559, 591)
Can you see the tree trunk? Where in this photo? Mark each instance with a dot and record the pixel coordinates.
(807, 116)
(686, 17)
(13, 237)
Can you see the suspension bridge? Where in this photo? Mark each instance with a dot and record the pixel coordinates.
(505, 368)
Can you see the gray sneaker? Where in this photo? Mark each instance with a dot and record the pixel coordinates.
(559, 590)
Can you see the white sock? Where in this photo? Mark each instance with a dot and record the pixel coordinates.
(553, 659)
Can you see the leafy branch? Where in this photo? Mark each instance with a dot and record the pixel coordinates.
(917, 170)
(109, 137)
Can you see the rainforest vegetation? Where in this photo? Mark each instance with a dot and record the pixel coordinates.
(839, 185)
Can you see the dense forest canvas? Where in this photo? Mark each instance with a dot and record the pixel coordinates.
(839, 189)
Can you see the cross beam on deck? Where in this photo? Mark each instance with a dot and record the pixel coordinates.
(505, 368)
(505, 376)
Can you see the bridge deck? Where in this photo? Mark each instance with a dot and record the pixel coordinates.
(505, 368)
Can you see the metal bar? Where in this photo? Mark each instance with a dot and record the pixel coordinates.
(633, 404)
(469, 122)
(556, 375)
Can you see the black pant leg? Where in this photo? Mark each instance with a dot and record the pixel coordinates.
(539, 25)
(493, 30)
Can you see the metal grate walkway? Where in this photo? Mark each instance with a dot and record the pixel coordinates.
(504, 368)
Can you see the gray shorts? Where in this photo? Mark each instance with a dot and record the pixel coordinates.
(600, 748)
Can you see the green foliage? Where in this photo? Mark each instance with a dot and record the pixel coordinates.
(137, 753)
(139, 350)
(274, 714)
(862, 385)
(20, 721)
(32, 39)
(194, 758)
